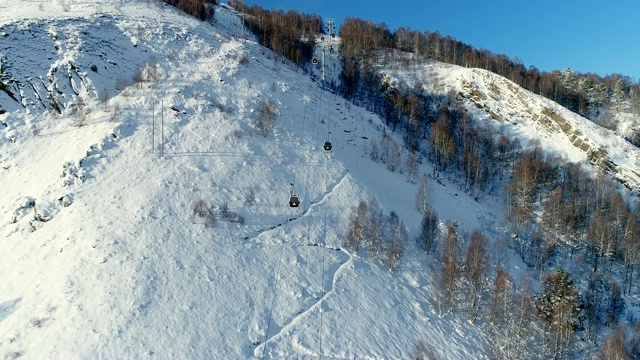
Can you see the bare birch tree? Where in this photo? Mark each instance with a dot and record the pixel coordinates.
(475, 266)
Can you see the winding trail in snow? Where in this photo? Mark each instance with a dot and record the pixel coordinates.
(313, 204)
(261, 349)
(296, 319)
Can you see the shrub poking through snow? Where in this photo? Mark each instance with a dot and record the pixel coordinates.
(54, 105)
(265, 118)
(231, 216)
(250, 196)
(28, 203)
(243, 59)
(81, 114)
(103, 97)
(384, 235)
(147, 73)
(204, 213)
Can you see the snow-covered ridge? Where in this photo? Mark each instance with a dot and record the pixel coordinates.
(102, 255)
(524, 114)
(55, 58)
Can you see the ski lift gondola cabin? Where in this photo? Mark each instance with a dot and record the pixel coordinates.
(294, 200)
(314, 60)
(327, 146)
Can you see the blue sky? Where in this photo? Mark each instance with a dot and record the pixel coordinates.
(601, 37)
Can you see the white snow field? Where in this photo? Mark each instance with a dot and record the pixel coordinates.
(101, 256)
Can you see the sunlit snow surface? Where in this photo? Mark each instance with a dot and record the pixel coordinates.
(100, 254)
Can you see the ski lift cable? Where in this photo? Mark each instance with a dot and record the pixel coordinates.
(327, 144)
(324, 251)
(306, 220)
(304, 118)
(322, 100)
(316, 110)
(318, 116)
(322, 281)
(277, 276)
(284, 231)
(324, 225)
(275, 286)
(329, 122)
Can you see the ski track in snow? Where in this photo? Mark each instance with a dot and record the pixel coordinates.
(288, 328)
(292, 217)
(302, 314)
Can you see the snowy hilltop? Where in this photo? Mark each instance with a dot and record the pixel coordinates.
(125, 126)
(513, 110)
(148, 163)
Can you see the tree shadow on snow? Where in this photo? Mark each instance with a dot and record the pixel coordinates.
(8, 307)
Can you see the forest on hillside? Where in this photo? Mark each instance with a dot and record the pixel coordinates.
(291, 35)
(588, 94)
(200, 9)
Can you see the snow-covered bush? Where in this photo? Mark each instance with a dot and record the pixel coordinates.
(103, 97)
(423, 350)
(231, 216)
(250, 196)
(204, 213)
(385, 236)
(147, 73)
(115, 113)
(243, 59)
(65, 4)
(265, 118)
(80, 114)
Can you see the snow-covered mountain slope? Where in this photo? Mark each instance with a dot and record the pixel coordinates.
(101, 254)
(525, 115)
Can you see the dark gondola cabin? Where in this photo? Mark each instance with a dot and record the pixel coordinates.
(314, 61)
(327, 146)
(294, 201)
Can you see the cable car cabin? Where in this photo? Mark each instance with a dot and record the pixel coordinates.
(314, 61)
(294, 201)
(327, 146)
